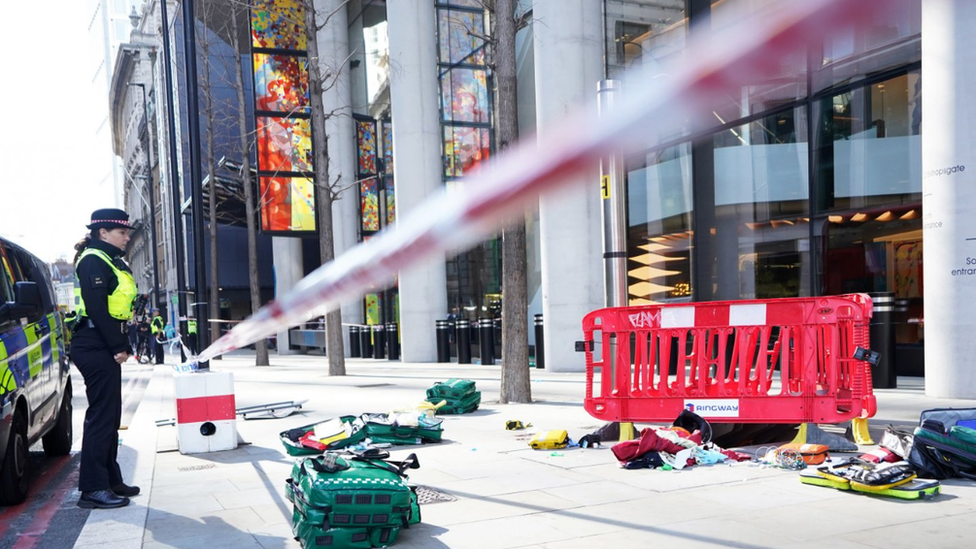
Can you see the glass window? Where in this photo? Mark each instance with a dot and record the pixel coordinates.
(783, 85)
(892, 39)
(641, 34)
(762, 208)
(659, 210)
(869, 190)
(869, 150)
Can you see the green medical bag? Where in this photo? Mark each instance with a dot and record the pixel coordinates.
(452, 388)
(342, 501)
(381, 429)
(461, 405)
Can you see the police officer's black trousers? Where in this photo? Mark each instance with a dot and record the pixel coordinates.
(158, 350)
(100, 443)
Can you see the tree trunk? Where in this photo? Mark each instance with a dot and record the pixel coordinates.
(260, 346)
(323, 188)
(515, 382)
(214, 294)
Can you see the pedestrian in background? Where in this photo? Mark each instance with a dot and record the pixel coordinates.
(159, 335)
(104, 293)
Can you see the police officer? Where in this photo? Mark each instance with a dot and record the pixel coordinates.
(159, 335)
(191, 335)
(104, 292)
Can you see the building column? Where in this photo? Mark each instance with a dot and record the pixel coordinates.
(417, 164)
(333, 42)
(949, 193)
(288, 270)
(568, 65)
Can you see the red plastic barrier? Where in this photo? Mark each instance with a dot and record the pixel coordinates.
(762, 361)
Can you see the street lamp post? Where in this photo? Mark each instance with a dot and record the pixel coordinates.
(174, 175)
(152, 197)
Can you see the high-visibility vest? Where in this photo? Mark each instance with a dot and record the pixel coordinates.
(191, 326)
(120, 301)
(157, 324)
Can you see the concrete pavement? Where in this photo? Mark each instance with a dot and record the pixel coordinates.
(506, 494)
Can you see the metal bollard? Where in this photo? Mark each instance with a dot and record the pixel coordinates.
(365, 341)
(885, 374)
(485, 335)
(463, 339)
(355, 350)
(496, 325)
(540, 343)
(442, 330)
(379, 342)
(392, 341)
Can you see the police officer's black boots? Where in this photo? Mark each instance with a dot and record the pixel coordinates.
(101, 499)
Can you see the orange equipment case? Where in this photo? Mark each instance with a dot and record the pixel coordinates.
(760, 361)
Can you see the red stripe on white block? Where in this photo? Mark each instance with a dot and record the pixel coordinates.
(212, 408)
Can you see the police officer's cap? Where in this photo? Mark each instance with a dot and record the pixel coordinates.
(109, 218)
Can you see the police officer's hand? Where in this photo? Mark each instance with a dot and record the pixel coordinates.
(121, 357)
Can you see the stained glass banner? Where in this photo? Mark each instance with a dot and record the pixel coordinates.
(464, 93)
(460, 37)
(366, 147)
(390, 203)
(388, 147)
(284, 144)
(287, 204)
(281, 103)
(278, 24)
(281, 83)
(370, 205)
(465, 149)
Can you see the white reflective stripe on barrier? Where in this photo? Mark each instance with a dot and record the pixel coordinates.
(713, 68)
(747, 315)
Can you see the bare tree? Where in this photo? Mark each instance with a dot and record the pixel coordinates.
(515, 383)
(321, 77)
(261, 346)
(208, 110)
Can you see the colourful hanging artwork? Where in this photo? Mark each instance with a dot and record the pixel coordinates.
(287, 204)
(465, 149)
(464, 96)
(366, 146)
(282, 107)
(281, 83)
(460, 37)
(370, 205)
(372, 309)
(284, 144)
(390, 203)
(388, 147)
(278, 24)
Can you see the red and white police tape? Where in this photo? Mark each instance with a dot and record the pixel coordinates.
(715, 68)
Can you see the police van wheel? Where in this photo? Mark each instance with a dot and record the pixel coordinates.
(58, 441)
(13, 475)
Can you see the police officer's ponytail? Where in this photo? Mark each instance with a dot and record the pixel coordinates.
(83, 243)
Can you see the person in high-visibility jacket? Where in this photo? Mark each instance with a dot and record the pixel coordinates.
(159, 336)
(104, 293)
(191, 335)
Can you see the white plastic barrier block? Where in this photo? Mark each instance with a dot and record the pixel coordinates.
(206, 416)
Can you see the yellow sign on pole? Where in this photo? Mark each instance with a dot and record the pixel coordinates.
(605, 187)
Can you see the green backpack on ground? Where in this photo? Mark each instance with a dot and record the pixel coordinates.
(453, 388)
(462, 405)
(349, 501)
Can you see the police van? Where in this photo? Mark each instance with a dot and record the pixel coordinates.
(35, 388)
